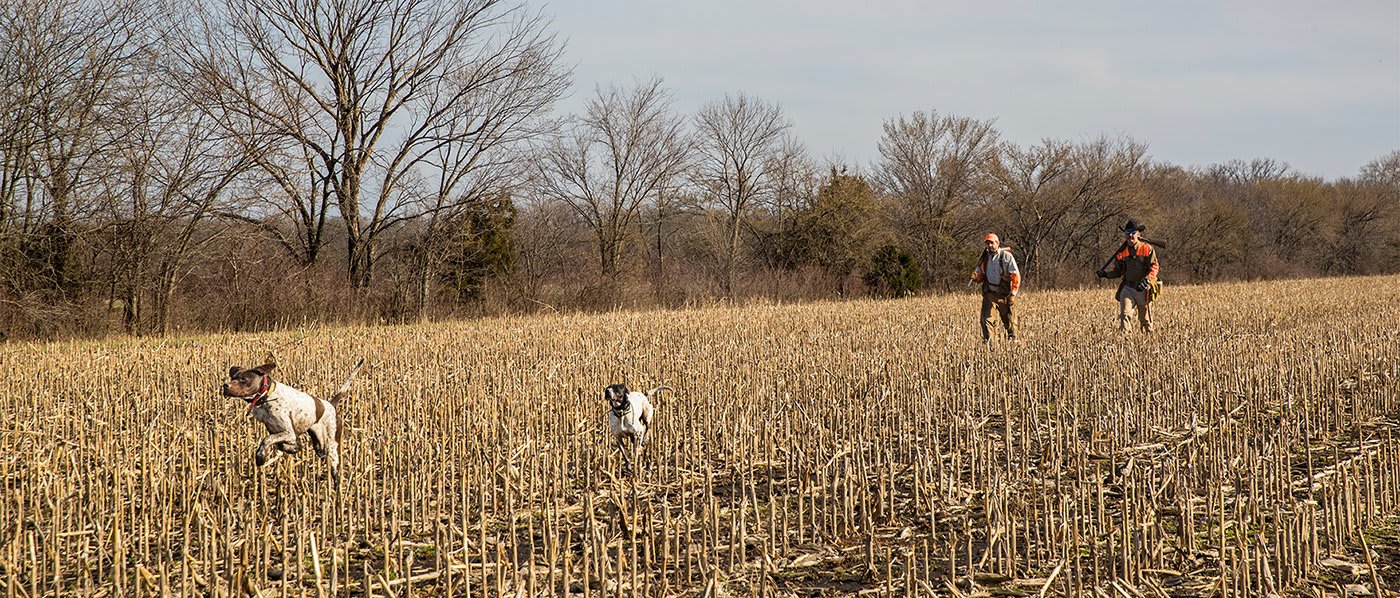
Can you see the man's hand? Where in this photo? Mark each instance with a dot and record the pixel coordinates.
(1100, 274)
(1011, 299)
(1143, 285)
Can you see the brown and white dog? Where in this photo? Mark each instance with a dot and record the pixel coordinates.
(288, 413)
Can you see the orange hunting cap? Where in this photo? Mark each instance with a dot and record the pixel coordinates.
(992, 237)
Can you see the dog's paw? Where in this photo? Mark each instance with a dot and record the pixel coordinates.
(263, 458)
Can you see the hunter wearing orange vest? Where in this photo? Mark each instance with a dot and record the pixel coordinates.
(1001, 281)
(1136, 264)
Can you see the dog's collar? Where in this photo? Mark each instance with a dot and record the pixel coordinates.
(267, 386)
(622, 406)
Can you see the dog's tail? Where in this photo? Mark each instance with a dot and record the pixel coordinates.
(345, 388)
(653, 391)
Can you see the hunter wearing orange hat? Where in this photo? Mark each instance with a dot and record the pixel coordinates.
(1001, 281)
(1136, 264)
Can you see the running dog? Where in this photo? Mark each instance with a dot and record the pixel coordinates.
(288, 413)
(630, 416)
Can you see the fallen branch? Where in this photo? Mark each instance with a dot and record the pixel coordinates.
(1051, 580)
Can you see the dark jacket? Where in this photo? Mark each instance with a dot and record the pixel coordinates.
(1133, 264)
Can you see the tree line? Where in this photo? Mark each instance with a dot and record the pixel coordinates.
(246, 164)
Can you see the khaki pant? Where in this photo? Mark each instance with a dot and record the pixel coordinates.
(1130, 299)
(1004, 308)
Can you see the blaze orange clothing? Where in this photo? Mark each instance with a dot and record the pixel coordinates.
(1002, 276)
(1134, 263)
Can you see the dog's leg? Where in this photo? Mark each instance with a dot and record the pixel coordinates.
(283, 433)
(622, 440)
(333, 461)
(289, 445)
(274, 445)
(636, 444)
(326, 433)
(268, 452)
(316, 444)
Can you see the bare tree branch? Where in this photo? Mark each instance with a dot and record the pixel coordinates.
(379, 95)
(626, 149)
(739, 140)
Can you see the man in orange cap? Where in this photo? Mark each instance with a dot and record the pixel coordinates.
(1001, 281)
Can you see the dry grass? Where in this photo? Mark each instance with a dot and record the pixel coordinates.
(823, 449)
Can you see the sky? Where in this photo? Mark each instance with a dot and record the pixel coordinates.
(1314, 84)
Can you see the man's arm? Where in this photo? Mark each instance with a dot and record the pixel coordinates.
(1013, 272)
(979, 274)
(1115, 270)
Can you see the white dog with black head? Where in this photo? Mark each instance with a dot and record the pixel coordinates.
(630, 416)
(288, 413)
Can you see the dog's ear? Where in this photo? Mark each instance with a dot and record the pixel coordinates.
(265, 368)
(233, 372)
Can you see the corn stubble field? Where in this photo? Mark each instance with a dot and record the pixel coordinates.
(833, 449)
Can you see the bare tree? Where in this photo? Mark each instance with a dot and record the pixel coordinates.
(1356, 243)
(65, 61)
(796, 181)
(17, 136)
(1254, 171)
(286, 190)
(167, 171)
(1384, 171)
(467, 186)
(372, 94)
(1058, 197)
(933, 165)
(548, 241)
(627, 149)
(1209, 233)
(1370, 230)
(739, 142)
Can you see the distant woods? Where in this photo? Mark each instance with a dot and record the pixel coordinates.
(246, 164)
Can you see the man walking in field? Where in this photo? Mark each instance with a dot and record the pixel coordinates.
(1001, 281)
(1136, 264)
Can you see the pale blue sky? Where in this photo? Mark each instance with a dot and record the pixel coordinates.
(1312, 83)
